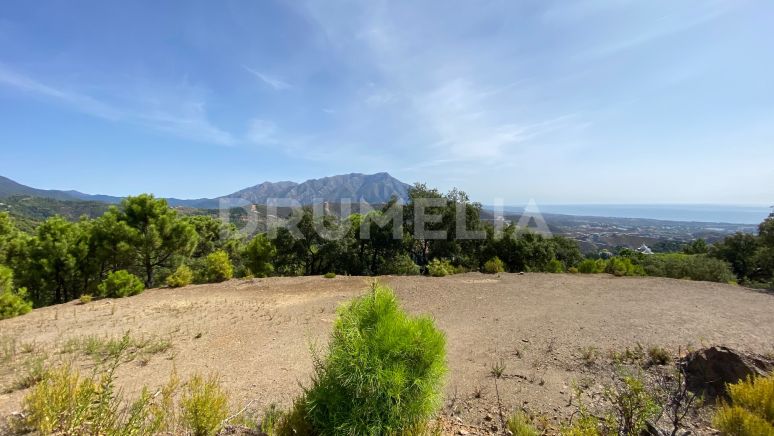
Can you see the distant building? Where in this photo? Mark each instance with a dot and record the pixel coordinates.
(644, 249)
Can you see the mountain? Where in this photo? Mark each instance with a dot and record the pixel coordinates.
(372, 188)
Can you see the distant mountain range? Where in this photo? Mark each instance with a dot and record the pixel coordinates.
(372, 188)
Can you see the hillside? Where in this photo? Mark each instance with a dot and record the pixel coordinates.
(29, 211)
(256, 333)
(373, 188)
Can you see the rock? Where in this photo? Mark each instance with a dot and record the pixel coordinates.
(488, 417)
(707, 371)
(462, 432)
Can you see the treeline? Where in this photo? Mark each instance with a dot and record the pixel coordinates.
(143, 243)
(144, 240)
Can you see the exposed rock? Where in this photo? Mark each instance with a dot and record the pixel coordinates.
(707, 371)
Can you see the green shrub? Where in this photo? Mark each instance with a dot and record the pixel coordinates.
(12, 302)
(554, 266)
(63, 402)
(183, 276)
(631, 405)
(440, 268)
(383, 373)
(751, 411)
(572, 270)
(623, 266)
(85, 298)
(217, 267)
(685, 266)
(519, 425)
(258, 255)
(401, 265)
(494, 266)
(658, 356)
(589, 266)
(330, 275)
(120, 284)
(204, 406)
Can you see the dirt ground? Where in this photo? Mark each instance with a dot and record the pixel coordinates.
(256, 334)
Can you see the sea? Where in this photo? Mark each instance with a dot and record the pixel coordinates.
(733, 214)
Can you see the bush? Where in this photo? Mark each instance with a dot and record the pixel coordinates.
(572, 270)
(217, 267)
(440, 268)
(401, 265)
(589, 266)
(383, 372)
(258, 255)
(120, 284)
(183, 276)
(85, 298)
(554, 266)
(494, 266)
(623, 266)
(330, 275)
(658, 356)
(519, 425)
(632, 405)
(12, 302)
(751, 411)
(64, 402)
(685, 266)
(204, 406)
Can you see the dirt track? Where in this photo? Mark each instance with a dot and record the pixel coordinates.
(256, 333)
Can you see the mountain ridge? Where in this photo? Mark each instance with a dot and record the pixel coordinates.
(372, 188)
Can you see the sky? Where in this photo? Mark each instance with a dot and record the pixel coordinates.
(586, 101)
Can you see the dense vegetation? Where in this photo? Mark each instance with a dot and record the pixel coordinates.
(383, 373)
(144, 241)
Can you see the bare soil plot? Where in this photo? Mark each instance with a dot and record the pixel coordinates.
(256, 334)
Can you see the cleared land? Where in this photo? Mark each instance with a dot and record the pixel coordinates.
(256, 334)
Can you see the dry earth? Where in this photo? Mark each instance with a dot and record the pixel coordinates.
(256, 333)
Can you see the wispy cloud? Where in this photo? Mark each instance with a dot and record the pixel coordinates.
(274, 82)
(182, 117)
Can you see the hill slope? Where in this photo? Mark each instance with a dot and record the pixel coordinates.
(373, 188)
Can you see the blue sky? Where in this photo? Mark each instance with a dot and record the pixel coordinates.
(559, 101)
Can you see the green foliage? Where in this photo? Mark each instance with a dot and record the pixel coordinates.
(659, 356)
(383, 373)
(330, 275)
(157, 233)
(85, 298)
(401, 265)
(64, 402)
(494, 266)
(554, 266)
(632, 405)
(440, 268)
(258, 256)
(120, 284)
(740, 250)
(204, 406)
(751, 411)
(217, 267)
(697, 246)
(519, 425)
(12, 301)
(183, 276)
(591, 266)
(13, 304)
(682, 266)
(623, 266)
